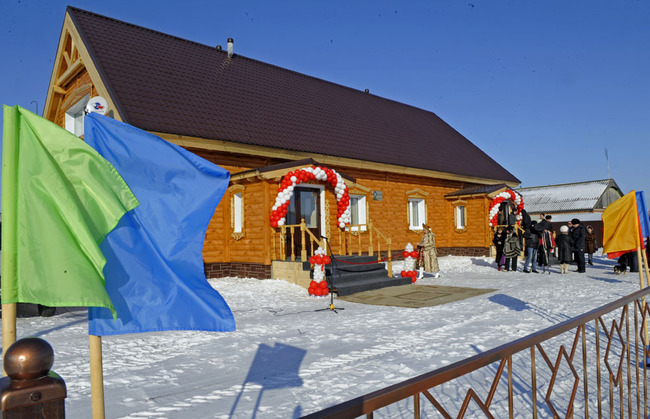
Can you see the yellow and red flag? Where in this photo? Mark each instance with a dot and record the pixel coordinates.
(621, 227)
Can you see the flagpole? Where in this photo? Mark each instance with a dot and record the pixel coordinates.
(8, 327)
(645, 265)
(96, 376)
(9, 216)
(639, 259)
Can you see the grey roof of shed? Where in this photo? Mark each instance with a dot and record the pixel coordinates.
(569, 197)
(162, 83)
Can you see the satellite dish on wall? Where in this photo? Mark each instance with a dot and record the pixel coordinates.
(98, 105)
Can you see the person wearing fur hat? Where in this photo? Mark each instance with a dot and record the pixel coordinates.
(578, 241)
(563, 243)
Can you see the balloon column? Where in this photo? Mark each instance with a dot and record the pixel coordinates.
(291, 179)
(494, 206)
(318, 286)
(410, 256)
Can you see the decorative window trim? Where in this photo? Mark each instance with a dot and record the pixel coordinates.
(417, 193)
(237, 200)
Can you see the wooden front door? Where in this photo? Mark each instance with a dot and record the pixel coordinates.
(304, 204)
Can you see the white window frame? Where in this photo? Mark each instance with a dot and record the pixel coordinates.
(74, 116)
(238, 215)
(421, 212)
(362, 208)
(460, 216)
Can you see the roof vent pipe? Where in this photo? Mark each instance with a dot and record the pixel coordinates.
(230, 47)
(218, 47)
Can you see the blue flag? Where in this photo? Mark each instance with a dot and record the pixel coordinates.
(643, 214)
(154, 265)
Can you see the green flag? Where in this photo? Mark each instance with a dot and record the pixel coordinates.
(59, 199)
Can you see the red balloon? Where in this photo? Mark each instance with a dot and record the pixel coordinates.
(311, 291)
(403, 273)
(414, 279)
(323, 285)
(414, 274)
(274, 224)
(405, 254)
(313, 284)
(312, 260)
(415, 254)
(327, 260)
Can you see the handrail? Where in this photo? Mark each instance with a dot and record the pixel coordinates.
(313, 241)
(387, 239)
(368, 403)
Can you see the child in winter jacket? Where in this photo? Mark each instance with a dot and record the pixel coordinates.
(499, 240)
(564, 253)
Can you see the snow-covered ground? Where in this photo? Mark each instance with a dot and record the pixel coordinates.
(286, 359)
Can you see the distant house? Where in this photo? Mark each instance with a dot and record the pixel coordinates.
(403, 166)
(585, 201)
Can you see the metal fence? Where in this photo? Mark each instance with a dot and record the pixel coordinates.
(591, 365)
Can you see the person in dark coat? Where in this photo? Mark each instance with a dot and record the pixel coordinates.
(511, 249)
(532, 242)
(544, 230)
(499, 240)
(563, 243)
(590, 244)
(578, 243)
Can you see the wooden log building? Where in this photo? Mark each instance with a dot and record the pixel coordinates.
(404, 166)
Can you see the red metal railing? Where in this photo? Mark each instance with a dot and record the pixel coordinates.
(599, 368)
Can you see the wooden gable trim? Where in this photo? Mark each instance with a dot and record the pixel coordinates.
(492, 195)
(72, 57)
(76, 95)
(276, 175)
(356, 189)
(417, 193)
(231, 147)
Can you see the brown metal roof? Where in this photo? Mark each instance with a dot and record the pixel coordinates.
(167, 84)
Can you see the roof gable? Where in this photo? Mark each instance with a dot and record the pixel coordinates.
(166, 84)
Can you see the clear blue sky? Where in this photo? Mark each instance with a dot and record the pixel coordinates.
(542, 86)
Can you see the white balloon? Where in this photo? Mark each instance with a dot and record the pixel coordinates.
(281, 222)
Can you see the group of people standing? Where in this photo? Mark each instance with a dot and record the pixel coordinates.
(541, 242)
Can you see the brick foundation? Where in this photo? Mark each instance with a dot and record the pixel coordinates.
(450, 251)
(242, 270)
(463, 251)
(259, 271)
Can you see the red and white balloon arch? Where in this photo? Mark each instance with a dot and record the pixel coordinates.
(507, 194)
(291, 179)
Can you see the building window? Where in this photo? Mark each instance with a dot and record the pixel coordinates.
(238, 225)
(460, 217)
(74, 117)
(237, 211)
(358, 212)
(416, 213)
